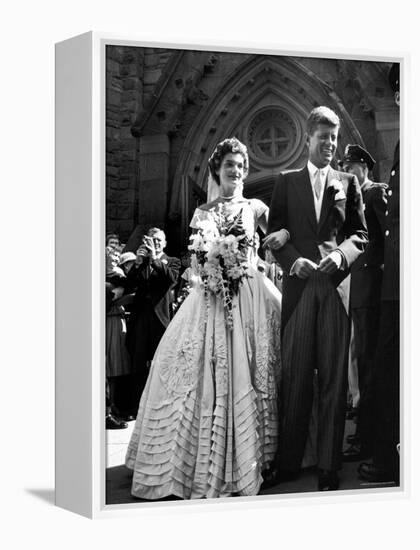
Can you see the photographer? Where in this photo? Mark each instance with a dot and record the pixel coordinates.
(154, 275)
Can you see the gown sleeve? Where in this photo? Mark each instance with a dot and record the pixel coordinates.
(198, 215)
(260, 210)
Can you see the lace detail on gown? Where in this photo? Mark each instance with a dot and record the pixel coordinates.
(177, 361)
(207, 422)
(267, 375)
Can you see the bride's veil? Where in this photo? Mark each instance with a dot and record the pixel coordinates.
(213, 188)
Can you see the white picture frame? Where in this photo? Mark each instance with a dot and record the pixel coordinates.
(80, 309)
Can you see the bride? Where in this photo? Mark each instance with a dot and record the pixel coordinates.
(207, 423)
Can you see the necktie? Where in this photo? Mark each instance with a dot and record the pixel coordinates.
(318, 184)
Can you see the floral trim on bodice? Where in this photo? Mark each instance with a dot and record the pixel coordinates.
(252, 210)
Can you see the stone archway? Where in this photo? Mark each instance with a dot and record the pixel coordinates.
(265, 103)
(203, 97)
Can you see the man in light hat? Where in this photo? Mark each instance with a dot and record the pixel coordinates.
(385, 412)
(365, 294)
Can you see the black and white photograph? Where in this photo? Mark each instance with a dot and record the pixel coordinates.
(209, 302)
(252, 253)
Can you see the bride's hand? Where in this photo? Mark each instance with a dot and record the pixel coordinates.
(276, 240)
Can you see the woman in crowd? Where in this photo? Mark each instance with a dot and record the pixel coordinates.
(208, 421)
(118, 367)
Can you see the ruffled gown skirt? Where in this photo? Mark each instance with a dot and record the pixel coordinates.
(207, 424)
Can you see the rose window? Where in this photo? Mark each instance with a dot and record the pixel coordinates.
(272, 136)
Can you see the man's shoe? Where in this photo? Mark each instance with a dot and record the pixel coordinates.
(353, 439)
(368, 471)
(274, 477)
(352, 413)
(353, 453)
(112, 423)
(328, 480)
(128, 416)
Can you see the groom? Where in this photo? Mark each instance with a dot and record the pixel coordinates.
(322, 210)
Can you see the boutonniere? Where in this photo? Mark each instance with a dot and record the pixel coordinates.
(337, 189)
(164, 261)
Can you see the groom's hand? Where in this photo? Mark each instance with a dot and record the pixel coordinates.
(303, 267)
(276, 240)
(330, 263)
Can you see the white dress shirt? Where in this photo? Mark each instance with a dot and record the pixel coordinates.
(312, 176)
(336, 255)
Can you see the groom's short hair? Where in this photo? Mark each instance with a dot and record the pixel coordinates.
(321, 115)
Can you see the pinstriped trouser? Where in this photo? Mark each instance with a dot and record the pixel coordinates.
(315, 337)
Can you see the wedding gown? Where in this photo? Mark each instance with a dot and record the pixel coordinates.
(207, 424)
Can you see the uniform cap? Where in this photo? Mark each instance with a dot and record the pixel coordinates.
(356, 153)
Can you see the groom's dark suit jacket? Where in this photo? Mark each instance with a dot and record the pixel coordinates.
(341, 226)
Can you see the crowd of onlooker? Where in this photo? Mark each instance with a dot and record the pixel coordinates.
(119, 297)
(141, 296)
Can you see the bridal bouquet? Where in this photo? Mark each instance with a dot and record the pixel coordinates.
(220, 255)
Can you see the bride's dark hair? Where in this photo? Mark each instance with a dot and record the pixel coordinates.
(230, 145)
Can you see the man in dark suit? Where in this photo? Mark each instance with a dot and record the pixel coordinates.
(322, 210)
(365, 294)
(385, 464)
(154, 276)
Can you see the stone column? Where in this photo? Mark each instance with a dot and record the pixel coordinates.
(152, 181)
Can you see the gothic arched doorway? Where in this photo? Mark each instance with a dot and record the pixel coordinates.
(265, 103)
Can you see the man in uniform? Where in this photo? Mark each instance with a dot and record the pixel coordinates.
(365, 294)
(385, 463)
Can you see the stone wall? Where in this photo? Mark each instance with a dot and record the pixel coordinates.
(131, 78)
(124, 99)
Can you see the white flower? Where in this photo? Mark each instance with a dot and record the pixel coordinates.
(219, 257)
(199, 243)
(208, 228)
(214, 251)
(230, 243)
(339, 193)
(337, 185)
(235, 272)
(196, 240)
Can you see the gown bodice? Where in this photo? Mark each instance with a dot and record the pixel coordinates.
(251, 209)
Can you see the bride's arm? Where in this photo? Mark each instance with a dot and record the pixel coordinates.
(262, 219)
(275, 240)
